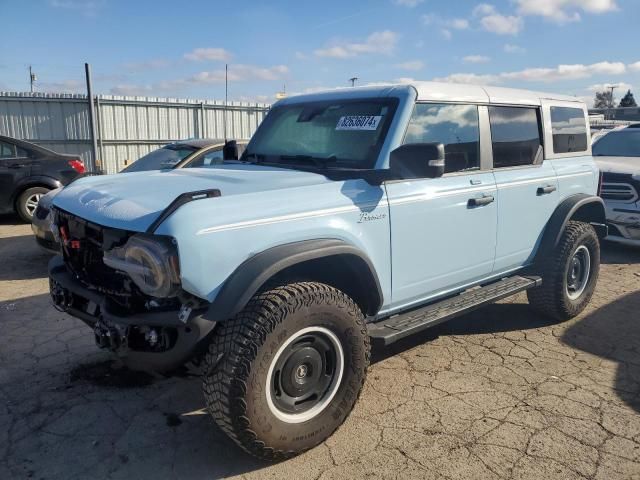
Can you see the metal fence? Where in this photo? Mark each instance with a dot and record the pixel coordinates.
(126, 127)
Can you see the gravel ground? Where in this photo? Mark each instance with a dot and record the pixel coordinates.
(499, 393)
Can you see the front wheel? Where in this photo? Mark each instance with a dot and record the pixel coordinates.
(569, 274)
(283, 374)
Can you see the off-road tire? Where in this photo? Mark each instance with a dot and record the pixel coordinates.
(551, 298)
(243, 349)
(23, 198)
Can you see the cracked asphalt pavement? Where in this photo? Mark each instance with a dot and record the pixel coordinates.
(499, 393)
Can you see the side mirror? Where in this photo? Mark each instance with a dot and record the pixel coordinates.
(230, 150)
(418, 160)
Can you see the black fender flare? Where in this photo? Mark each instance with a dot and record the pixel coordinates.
(583, 207)
(256, 271)
(34, 181)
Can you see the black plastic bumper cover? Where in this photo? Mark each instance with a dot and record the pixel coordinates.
(190, 334)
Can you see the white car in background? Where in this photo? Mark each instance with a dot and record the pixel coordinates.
(617, 154)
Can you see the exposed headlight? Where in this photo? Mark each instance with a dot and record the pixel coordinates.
(151, 262)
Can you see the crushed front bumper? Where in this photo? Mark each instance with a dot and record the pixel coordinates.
(157, 341)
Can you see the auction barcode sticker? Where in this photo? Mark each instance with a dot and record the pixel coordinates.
(359, 122)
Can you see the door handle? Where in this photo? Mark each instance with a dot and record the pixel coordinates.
(546, 190)
(16, 165)
(479, 202)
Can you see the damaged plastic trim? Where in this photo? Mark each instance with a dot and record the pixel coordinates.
(179, 201)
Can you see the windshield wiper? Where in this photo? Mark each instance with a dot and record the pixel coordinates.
(257, 157)
(320, 162)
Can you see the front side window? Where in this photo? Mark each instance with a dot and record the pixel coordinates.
(625, 143)
(165, 157)
(340, 134)
(455, 126)
(569, 129)
(515, 136)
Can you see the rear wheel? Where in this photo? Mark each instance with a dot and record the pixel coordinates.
(283, 374)
(569, 274)
(28, 202)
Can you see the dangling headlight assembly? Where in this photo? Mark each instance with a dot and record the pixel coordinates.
(151, 262)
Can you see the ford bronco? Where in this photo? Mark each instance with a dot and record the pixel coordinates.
(354, 216)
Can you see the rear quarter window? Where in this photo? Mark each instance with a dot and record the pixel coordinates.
(569, 129)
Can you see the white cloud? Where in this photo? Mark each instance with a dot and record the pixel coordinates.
(153, 64)
(469, 78)
(446, 34)
(411, 65)
(599, 87)
(564, 11)
(510, 48)
(208, 54)
(63, 86)
(86, 7)
(541, 75)
(634, 67)
(566, 72)
(494, 22)
(240, 73)
(476, 59)
(383, 42)
(408, 3)
(458, 23)
(301, 56)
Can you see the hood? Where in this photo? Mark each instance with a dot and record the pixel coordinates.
(132, 201)
(628, 165)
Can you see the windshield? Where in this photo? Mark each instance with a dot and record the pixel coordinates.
(624, 143)
(165, 157)
(331, 134)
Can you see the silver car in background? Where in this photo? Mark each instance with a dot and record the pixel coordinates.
(617, 154)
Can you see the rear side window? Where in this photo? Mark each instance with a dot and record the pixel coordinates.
(569, 129)
(515, 136)
(455, 126)
(7, 150)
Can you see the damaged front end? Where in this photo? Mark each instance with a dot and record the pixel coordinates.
(126, 286)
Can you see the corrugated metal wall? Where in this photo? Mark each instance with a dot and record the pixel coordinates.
(127, 127)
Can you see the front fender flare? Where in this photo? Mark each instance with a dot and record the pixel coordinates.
(256, 271)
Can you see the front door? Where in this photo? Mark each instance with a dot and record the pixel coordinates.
(443, 230)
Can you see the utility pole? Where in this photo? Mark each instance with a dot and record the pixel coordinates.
(612, 87)
(92, 120)
(226, 98)
(353, 81)
(32, 78)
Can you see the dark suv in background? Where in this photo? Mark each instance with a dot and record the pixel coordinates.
(28, 171)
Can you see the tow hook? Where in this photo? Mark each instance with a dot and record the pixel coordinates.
(61, 297)
(109, 336)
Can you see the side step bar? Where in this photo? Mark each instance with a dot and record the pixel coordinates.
(390, 330)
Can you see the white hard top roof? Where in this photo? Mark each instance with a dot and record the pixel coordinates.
(440, 92)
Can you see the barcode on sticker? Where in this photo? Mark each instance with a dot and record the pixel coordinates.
(359, 122)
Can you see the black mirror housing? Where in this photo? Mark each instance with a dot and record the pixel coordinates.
(230, 150)
(418, 160)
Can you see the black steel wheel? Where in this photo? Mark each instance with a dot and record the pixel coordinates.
(283, 374)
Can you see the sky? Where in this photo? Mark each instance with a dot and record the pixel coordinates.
(179, 49)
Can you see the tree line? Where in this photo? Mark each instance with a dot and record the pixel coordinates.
(605, 100)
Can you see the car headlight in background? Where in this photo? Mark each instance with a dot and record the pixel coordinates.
(151, 262)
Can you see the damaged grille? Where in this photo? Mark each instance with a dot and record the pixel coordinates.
(83, 244)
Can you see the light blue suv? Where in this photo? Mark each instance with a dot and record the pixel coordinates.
(355, 215)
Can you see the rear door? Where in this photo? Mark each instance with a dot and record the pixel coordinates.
(14, 166)
(526, 183)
